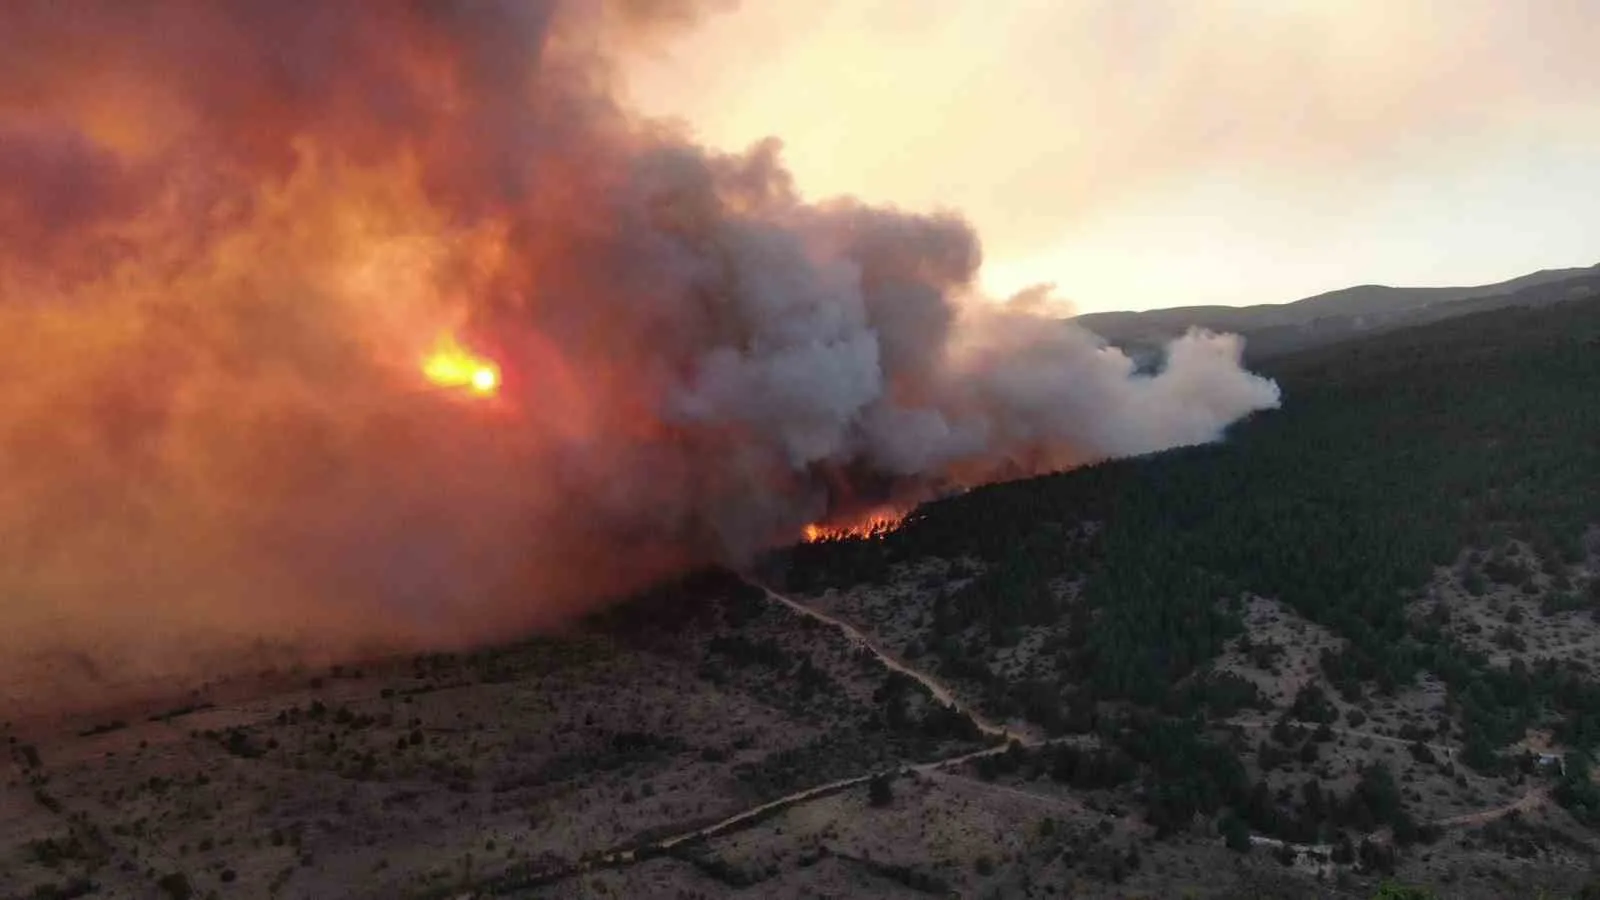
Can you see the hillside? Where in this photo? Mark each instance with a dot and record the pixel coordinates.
(1278, 329)
(1411, 544)
(1353, 643)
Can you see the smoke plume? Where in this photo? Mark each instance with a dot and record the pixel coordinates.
(233, 232)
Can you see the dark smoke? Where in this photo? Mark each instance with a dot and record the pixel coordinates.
(233, 231)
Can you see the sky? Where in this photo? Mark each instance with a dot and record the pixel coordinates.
(1148, 153)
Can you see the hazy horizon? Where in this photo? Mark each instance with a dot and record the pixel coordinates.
(1358, 284)
(1153, 153)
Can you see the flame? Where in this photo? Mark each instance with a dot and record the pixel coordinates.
(237, 269)
(875, 525)
(452, 366)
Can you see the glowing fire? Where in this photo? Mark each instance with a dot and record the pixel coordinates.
(450, 365)
(873, 526)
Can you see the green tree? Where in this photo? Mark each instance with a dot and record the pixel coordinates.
(879, 793)
(1235, 833)
(1392, 891)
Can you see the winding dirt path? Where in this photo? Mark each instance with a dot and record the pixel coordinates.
(943, 694)
(1447, 752)
(857, 638)
(1527, 802)
(821, 790)
(1531, 800)
(938, 689)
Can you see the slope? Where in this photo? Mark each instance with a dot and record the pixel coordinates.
(1425, 503)
(1279, 329)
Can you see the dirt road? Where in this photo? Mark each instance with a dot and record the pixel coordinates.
(1441, 749)
(1526, 803)
(944, 694)
(817, 792)
(938, 689)
(935, 687)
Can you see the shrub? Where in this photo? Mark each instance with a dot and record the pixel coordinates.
(878, 791)
(176, 886)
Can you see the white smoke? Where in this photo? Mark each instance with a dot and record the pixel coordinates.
(234, 234)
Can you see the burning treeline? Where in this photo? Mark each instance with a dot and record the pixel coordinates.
(236, 236)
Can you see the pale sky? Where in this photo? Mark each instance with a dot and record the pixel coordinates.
(1145, 153)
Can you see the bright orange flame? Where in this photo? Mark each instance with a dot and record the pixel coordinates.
(875, 525)
(452, 366)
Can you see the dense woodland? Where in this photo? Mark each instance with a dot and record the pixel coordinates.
(1391, 456)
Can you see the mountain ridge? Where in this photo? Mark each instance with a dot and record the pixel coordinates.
(1273, 329)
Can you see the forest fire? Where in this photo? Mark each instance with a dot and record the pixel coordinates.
(452, 366)
(228, 226)
(875, 525)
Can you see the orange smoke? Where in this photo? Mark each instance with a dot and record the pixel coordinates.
(231, 235)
